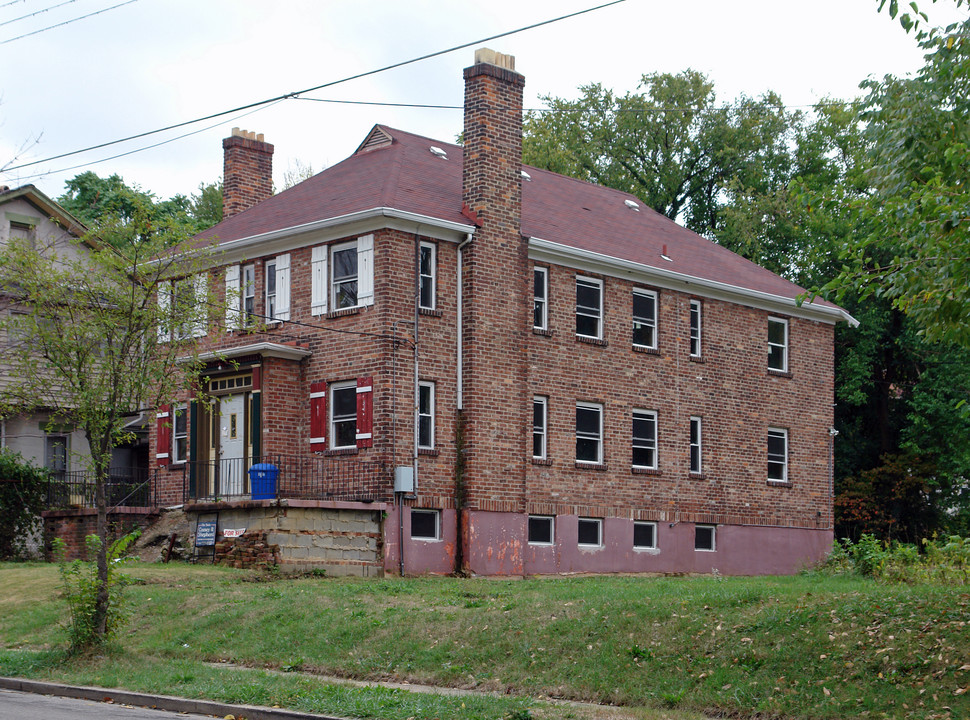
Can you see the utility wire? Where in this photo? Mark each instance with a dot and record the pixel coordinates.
(297, 93)
(30, 15)
(67, 22)
(12, 2)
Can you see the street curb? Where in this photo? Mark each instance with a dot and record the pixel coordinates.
(158, 702)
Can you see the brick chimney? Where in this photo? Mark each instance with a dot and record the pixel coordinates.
(497, 284)
(247, 176)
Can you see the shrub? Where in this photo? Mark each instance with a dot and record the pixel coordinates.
(946, 561)
(79, 586)
(22, 494)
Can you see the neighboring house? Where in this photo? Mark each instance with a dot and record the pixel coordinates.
(27, 213)
(455, 360)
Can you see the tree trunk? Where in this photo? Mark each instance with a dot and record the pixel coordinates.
(99, 620)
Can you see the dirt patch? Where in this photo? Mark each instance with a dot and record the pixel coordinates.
(153, 544)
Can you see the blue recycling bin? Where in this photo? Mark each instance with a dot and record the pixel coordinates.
(262, 480)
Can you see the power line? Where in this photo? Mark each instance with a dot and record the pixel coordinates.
(297, 93)
(67, 22)
(30, 15)
(12, 2)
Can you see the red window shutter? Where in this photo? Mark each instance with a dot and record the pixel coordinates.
(318, 416)
(163, 435)
(365, 412)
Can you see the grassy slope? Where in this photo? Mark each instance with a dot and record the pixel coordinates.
(806, 646)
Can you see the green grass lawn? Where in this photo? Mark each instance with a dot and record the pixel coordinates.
(810, 646)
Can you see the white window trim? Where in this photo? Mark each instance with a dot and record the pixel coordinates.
(655, 439)
(331, 427)
(430, 386)
(699, 307)
(696, 419)
(783, 433)
(182, 409)
(552, 530)
(599, 438)
(270, 317)
(641, 548)
(650, 322)
(598, 284)
(544, 402)
(334, 288)
(713, 547)
(544, 320)
(247, 290)
(783, 346)
(433, 276)
(599, 532)
(437, 525)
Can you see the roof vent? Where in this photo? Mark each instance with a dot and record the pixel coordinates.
(632, 205)
(664, 254)
(526, 176)
(439, 152)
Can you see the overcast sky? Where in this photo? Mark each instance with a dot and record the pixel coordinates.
(153, 63)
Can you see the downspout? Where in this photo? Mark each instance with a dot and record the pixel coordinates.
(460, 419)
(461, 327)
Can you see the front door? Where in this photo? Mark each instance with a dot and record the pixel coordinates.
(232, 444)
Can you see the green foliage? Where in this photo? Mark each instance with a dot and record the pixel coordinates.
(941, 560)
(98, 201)
(913, 248)
(80, 586)
(23, 490)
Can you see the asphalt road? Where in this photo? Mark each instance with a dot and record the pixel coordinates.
(28, 706)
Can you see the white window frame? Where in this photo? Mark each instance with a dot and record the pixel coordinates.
(429, 279)
(270, 297)
(590, 282)
(696, 442)
(598, 522)
(540, 401)
(437, 525)
(650, 322)
(645, 442)
(335, 284)
(781, 433)
(713, 547)
(782, 346)
(426, 415)
(333, 420)
(696, 327)
(180, 411)
(540, 305)
(597, 437)
(551, 519)
(247, 286)
(653, 525)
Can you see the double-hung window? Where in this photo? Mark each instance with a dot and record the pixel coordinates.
(777, 455)
(180, 435)
(589, 433)
(778, 344)
(540, 407)
(645, 319)
(540, 298)
(645, 439)
(249, 294)
(426, 416)
(343, 282)
(270, 290)
(343, 415)
(696, 465)
(428, 273)
(695, 328)
(589, 307)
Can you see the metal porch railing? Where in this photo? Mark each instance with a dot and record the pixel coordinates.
(134, 487)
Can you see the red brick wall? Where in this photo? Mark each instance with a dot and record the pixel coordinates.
(247, 176)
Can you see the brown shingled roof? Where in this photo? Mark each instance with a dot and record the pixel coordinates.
(405, 175)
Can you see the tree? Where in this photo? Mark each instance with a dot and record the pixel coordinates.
(22, 498)
(86, 334)
(297, 173)
(916, 248)
(670, 144)
(93, 199)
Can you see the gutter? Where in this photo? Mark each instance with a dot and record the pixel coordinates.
(617, 267)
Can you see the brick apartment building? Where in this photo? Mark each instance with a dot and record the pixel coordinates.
(457, 361)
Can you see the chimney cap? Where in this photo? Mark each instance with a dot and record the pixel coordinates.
(249, 135)
(491, 57)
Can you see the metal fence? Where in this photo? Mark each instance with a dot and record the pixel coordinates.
(286, 476)
(133, 487)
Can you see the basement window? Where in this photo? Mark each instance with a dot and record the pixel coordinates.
(644, 536)
(425, 524)
(704, 538)
(590, 532)
(541, 530)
